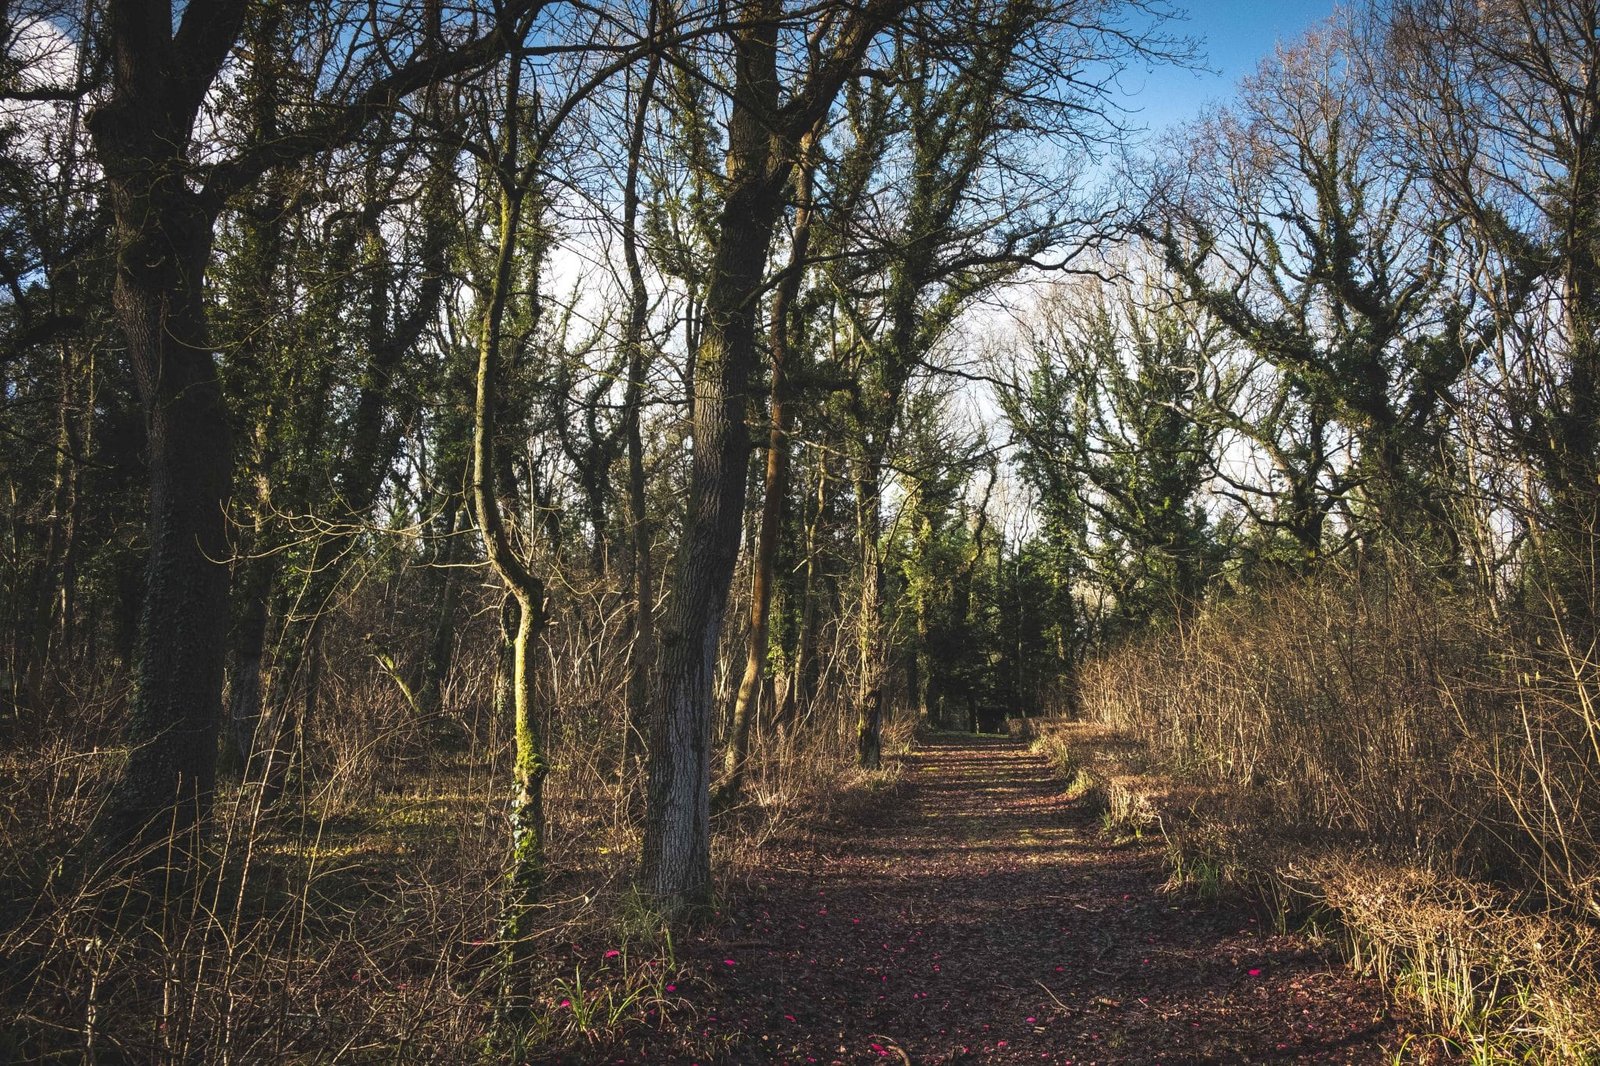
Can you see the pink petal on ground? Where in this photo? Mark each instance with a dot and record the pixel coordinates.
(1255, 973)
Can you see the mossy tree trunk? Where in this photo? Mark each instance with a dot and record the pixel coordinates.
(525, 871)
(763, 140)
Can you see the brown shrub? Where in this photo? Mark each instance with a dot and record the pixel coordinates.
(1374, 746)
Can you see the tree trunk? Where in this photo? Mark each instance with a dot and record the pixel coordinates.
(163, 245)
(677, 856)
(677, 836)
(166, 788)
(249, 651)
(525, 873)
(798, 690)
(776, 488)
(761, 149)
(642, 657)
(441, 646)
(869, 693)
(50, 592)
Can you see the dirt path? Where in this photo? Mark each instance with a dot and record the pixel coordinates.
(986, 920)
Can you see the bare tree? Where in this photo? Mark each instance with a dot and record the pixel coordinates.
(165, 197)
(1287, 221)
(1498, 103)
(765, 126)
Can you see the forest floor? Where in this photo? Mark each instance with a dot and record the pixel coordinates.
(979, 916)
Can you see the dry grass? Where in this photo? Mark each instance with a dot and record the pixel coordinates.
(357, 923)
(1367, 753)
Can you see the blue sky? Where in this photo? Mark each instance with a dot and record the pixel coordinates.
(1234, 36)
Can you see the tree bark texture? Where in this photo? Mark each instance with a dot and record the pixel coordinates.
(163, 236)
(677, 837)
(762, 147)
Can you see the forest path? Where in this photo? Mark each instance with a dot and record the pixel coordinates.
(983, 918)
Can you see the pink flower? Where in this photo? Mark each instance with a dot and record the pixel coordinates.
(672, 988)
(613, 953)
(1255, 973)
(1031, 1020)
(565, 1003)
(729, 962)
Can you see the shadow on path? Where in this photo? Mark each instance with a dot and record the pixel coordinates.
(985, 919)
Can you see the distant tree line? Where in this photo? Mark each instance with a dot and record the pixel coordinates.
(1352, 321)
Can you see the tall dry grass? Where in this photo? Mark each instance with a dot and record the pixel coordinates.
(1375, 745)
(357, 921)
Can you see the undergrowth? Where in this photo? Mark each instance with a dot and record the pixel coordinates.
(356, 922)
(1369, 756)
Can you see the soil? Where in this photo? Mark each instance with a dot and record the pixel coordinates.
(979, 916)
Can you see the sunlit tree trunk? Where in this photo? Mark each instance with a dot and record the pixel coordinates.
(525, 875)
(762, 143)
